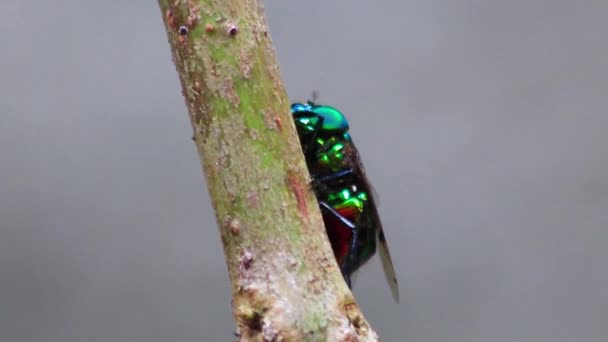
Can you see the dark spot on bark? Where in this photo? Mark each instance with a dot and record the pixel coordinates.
(350, 310)
(254, 322)
(183, 30)
(232, 30)
(249, 307)
(246, 260)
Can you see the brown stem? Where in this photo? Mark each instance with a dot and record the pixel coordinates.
(286, 284)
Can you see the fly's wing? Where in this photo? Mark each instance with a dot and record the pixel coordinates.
(387, 264)
(385, 255)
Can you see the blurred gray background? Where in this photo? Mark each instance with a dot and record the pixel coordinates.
(482, 125)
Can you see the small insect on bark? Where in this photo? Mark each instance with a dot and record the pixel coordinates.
(342, 190)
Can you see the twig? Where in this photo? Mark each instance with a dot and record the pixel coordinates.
(286, 284)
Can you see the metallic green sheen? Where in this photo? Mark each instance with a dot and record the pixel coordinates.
(348, 198)
(331, 153)
(307, 123)
(333, 119)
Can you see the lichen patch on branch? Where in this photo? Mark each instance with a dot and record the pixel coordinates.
(285, 286)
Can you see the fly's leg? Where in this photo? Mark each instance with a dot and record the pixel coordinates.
(350, 255)
(319, 182)
(333, 176)
(315, 97)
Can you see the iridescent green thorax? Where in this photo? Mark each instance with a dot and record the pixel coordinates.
(329, 129)
(332, 151)
(307, 117)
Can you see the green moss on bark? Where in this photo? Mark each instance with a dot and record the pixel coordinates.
(285, 282)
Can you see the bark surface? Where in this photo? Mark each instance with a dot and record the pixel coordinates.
(286, 284)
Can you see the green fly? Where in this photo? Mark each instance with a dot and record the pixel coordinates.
(342, 189)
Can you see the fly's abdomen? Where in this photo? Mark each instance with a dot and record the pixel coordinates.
(351, 205)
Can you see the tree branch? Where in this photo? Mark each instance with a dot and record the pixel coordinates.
(286, 284)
